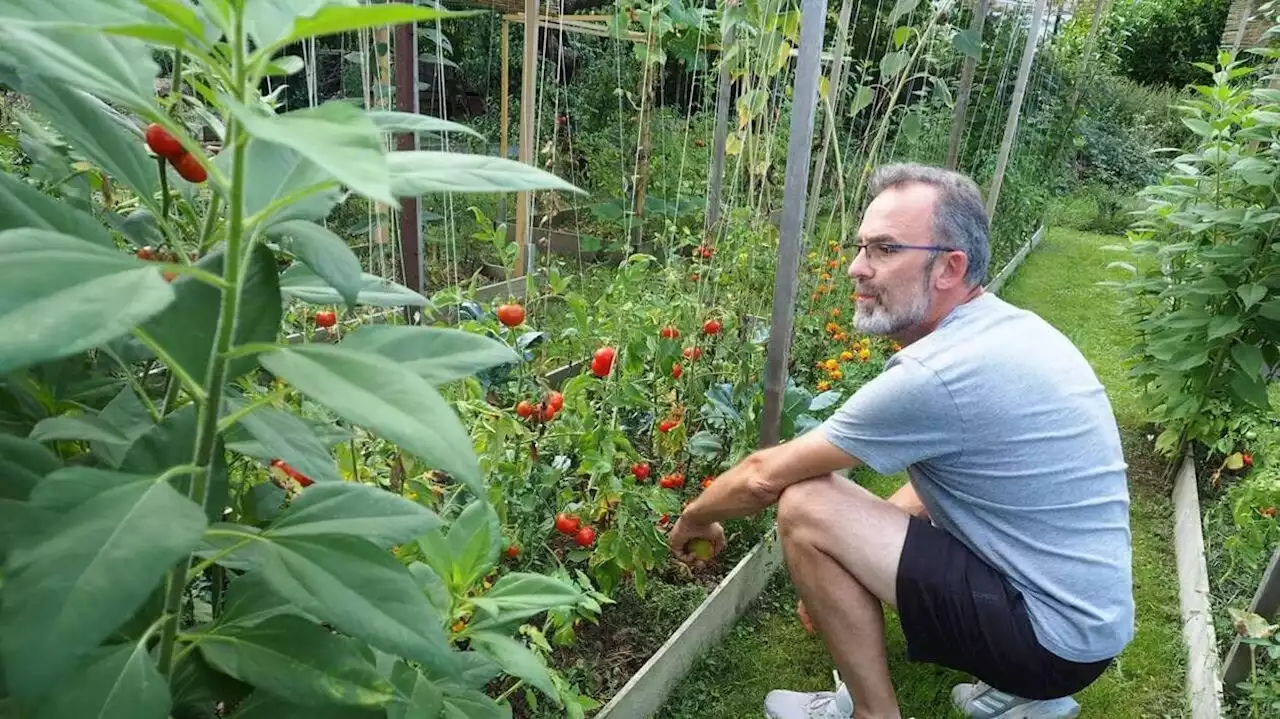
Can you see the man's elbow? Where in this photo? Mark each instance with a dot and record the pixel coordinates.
(761, 485)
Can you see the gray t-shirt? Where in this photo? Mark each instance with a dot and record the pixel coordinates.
(1010, 441)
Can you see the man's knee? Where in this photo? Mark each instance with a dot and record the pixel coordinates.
(802, 504)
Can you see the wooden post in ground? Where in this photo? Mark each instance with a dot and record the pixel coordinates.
(646, 147)
(966, 87)
(504, 120)
(1015, 106)
(528, 98)
(829, 127)
(795, 189)
(723, 87)
(406, 73)
(1073, 105)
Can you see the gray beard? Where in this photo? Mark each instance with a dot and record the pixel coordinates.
(881, 321)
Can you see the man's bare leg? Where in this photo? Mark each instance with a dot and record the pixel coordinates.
(842, 546)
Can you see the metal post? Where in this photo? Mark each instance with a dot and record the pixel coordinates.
(795, 189)
(721, 136)
(528, 98)
(1015, 106)
(406, 74)
(829, 127)
(966, 87)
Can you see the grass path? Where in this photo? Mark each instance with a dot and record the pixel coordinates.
(768, 649)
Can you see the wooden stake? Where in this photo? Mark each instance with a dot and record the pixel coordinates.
(528, 98)
(646, 149)
(504, 121)
(829, 129)
(795, 189)
(406, 69)
(966, 87)
(719, 141)
(1015, 106)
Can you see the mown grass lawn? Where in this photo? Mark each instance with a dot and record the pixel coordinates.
(768, 649)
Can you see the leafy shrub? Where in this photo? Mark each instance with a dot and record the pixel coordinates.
(1161, 40)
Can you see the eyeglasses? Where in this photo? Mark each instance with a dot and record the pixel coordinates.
(878, 252)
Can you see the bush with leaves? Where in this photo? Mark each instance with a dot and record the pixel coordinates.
(1207, 304)
(176, 540)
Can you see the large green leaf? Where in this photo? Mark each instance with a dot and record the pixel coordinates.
(300, 283)
(345, 17)
(436, 354)
(22, 205)
(128, 416)
(392, 121)
(22, 463)
(519, 595)
(1249, 388)
(326, 254)
(968, 43)
(352, 584)
(95, 566)
(360, 510)
(374, 392)
(417, 696)
(163, 445)
(470, 548)
(112, 68)
(87, 426)
(268, 22)
(250, 600)
(274, 173)
(433, 586)
(60, 296)
(262, 705)
(118, 683)
(295, 660)
(187, 330)
(337, 136)
(268, 434)
(66, 489)
(1248, 358)
(517, 660)
(418, 172)
(472, 704)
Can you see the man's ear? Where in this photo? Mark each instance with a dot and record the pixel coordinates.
(954, 266)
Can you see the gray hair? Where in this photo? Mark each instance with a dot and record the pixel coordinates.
(959, 217)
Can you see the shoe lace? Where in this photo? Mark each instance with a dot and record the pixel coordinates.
(824, 706)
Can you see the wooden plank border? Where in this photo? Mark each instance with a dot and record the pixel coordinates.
(1204, 688)
(1266, 601)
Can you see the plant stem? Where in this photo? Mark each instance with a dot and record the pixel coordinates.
(502, 697)
(164, 191)
(207, 422)
(175, 88)
(210, 219)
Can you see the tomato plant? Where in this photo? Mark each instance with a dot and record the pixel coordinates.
(174, 519)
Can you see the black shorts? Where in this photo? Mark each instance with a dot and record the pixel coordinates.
(959, 612)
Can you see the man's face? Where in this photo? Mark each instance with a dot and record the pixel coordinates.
(894, 286)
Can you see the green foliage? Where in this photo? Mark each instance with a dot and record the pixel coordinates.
(1203, 304)
(175, 529)
(1159, 41)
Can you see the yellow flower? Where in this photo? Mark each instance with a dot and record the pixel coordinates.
(846, 356)
(823, 386)
(895, 347)
(864, 354)
(825, 276)
(835, 374)
(835, 311)
(838, 337)
(831, 364)
(813, 255)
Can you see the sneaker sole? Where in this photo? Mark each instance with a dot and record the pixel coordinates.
(1065, 708)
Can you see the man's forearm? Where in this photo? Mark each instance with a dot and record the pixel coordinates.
(739, 492)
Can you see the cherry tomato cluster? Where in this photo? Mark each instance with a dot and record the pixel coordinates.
(672, 481)
(567, 524)
(703, 251)
(546, 410)
(640, 470)
(511, 315)
(163, 143)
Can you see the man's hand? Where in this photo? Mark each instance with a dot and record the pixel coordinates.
(685, 531)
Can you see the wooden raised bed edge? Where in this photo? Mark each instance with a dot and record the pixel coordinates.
(647, 690)
(1204, 688)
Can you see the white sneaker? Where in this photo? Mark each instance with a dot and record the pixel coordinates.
(982, 701)
(783, 704)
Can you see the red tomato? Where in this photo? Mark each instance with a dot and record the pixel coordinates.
(512, 551)
(602, 361)
(669, 333)
(525, 408)
(555, 400)
(294, 474)
(640, 470)
(163, 143)
(546, 412)
(706, 481)
(146, 253)
(511, 315)
(711, 327)
(189, 168)
(585, 537)
(326, 318)
(692, 353)
(566, 524)
(676, 370)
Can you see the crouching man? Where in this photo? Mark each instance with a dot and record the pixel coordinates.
(1007, 555)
